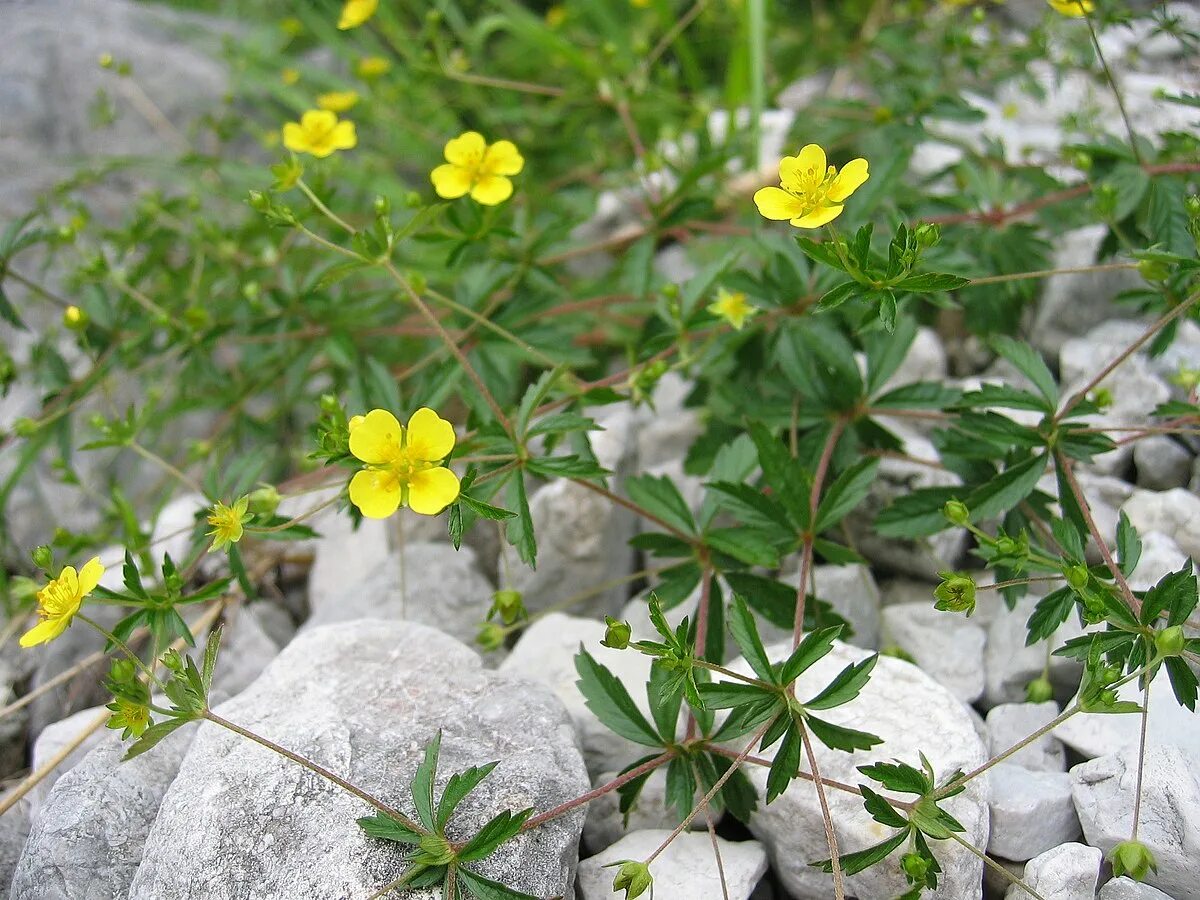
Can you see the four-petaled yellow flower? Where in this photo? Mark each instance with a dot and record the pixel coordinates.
(131, 717)
(59, 601)
(320, 133)
(812, 191)
(732, 307)
(476, 167)
(1076, 9)
(370, 67)
(404, 465)
(337, 101)
(227, 522)
(355, 12)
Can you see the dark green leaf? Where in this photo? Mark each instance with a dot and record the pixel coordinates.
(459, 785)
(1050, 612)
(608, 699)
(660, 497)
(846, 686)
(847, 491)
(388, 829)
(747, 545)
(502, 827)
(154, 734)
(860, 860)
(486, 889)
(1006, 490)
(1183, 681)
(423, 781)
(837, 737)
(786, 763)
(815, 646)
(744, 629)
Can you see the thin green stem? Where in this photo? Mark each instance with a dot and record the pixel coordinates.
(1137, 794)
(839, 885)
(1112, 83)
(995, 866)
(174, 471)
(323, 209)
(123, 647)
(757, 12)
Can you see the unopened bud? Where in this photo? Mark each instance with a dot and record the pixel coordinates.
(509, 605)
(264, 500)
(1040, 690)
(1170, 641)
(490, 636)
(1132, 858)
(956, 593)
(43, 557)
(633, 878)
(956, 511)
(617, 634)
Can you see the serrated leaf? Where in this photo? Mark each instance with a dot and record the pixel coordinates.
(154, 734)
(610, 701)
(847, 491)
(1030, 364)
(659, 496)
(845, 686)
(853, 863)
(1183, 681)
(747, 545)
(457, 788)
(837, 737)
(744, 629)
(931, 282)
(385, 828)
(815, 646)
(500, 828)
(211, 648)
(423, 781)
(785, 765)
(1007, 489)
(486, 889)
(899, 777)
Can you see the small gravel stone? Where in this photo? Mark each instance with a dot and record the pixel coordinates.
(946, 645)
(1068, 872)
(1009, 723)
(1032, 812)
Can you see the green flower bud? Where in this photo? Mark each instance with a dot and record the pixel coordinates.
(173, 661)
(1153, 270)
(1132, 858)
(956, 511)
(413, 200)
(509, 605)
(264, 500)
(330, 405)
(43, 558)
(928, 235)
(122, 671)
(617, 635)
(1077, 577)
(1102, 397)
(915, 866)
(633, 878)
(1082, 160)
(1170, 641)
(490, 636)
(381, 205)
(1108, 697)
(1039, 690)
(956, 593)
(1108, 674)
(259, 201)
(25, 427)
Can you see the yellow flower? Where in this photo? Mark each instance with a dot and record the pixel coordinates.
(812, 192)
(320, 133)
(337, 101)
(556, 15)
(473, 166)
(732, 307)
(370, 67)
(355, 12)
(74, 317)
(1076, 9)
(129, 716)
(640, 4)
(403, 466)
(227, 522)
(59, 601)
(289, 76)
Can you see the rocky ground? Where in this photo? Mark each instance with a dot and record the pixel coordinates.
(359, 652)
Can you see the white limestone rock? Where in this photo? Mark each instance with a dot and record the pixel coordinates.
(546, 653)
(1125, 888)
(1176, 513)
(1098, 734)
(1032, 812)
(686, 870)
(1009, 723)
(946, 645)
(1160, 556)
(1162, 463)
(1169, 825)
(911, 713)
(1067, 872)
(1011, 665)
(604, 825)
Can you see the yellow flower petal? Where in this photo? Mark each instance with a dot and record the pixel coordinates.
(503, 158)
(466, 150)
(89, 576)
(1076, 9)
(318, 121)
(294, 139)
(344, 136)
(432, 490)
(375, 493)
(492, 190)
(355, 12)
(45, 631)
(450, 182)
(376, 440)
(337, 101)
(818, 217)
(853, 174)
(774, 203)
(804, 171)
(430, 437)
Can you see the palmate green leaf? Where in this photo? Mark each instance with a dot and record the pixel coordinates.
(423, 781)
(853, 863)
(815, 646)
(732, 694)
(486, 889)
(681, 786)
(1007, 489)
(659, 496)
(632, 789)
(771, 599)
(744, 629)
(1051, 611)
(500, 828)
(899, 777)
(607, 698)
(457, 788)
(918, 395)
(386, 828)
(845, 493)
(1175, 594)
(879, 808)
(783, 474)
(748, 545)
(751, 506)
(837, 737)
(1030, 364)
(846, 686)
(786, 764)
(677, 583)
(154, 734)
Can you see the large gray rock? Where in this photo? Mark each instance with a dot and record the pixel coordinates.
(1098, 734)
(1068, 872)
(55, 737)
(1032, 812)
(912, 713)
(1176, 513)
(946, 645)
(1127, 889)
(241, 822)
(14, 830)
(1160, 556)
(606, 825)
(1011, 665)
(88, 834)
(429, 582)
(1161, 463)
(546, 653)
(685, 870)
(1169, 824)
(1009, 723)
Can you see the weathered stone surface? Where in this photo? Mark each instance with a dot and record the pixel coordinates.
(686, 869)
(240, 822)
(912, 713)
(604, 825)
(1169, 825)
(1032, 812)
(546, 653)
(429, 582)
(946, 645)
(1127, 889)
(1009, 723)
(14, 829)
(1068, 872)
(88, 834)
(54, 738)
(1161, 463)
(1098, 734)
(1160, 556)
(1011, 665)
(853, 594)
(1176, 513)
